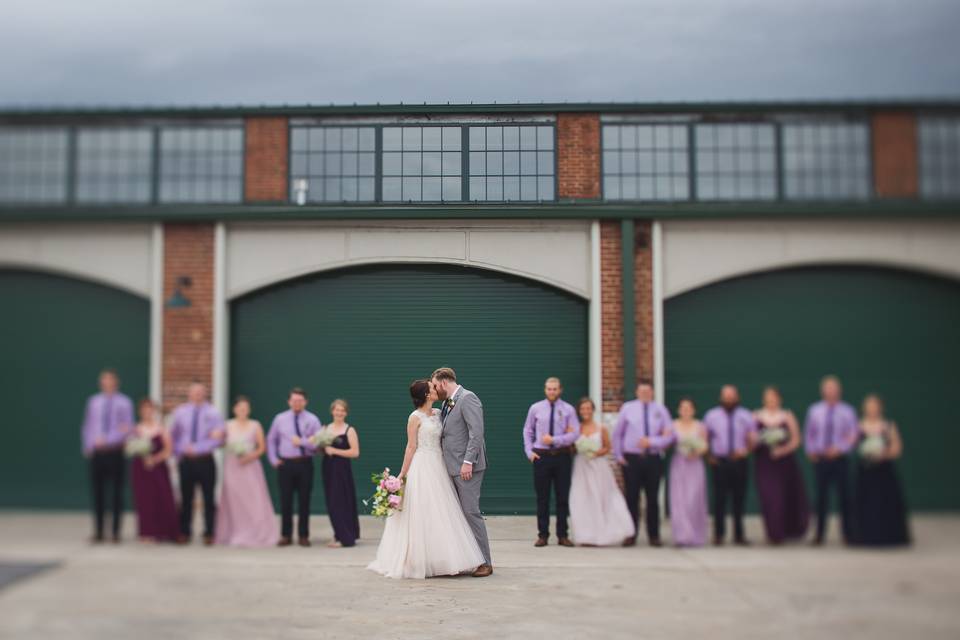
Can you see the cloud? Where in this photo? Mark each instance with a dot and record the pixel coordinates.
(102, 52)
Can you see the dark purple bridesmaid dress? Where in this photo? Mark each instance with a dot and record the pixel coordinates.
(341, 494)
(783, 497)
(157, 516)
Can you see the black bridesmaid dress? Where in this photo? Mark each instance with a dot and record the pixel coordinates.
(879, 507)
(341, 494)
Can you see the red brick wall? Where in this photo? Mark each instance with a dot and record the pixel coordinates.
(895, 167)
(266, 158)
(187, 331)
(643, 298)
(611, 315)
(578, 156)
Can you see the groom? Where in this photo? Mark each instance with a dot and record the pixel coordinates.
(464, 453)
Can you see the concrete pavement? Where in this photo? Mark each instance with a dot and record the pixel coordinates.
(147, 592)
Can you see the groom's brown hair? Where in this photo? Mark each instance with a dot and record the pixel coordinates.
(444, 373)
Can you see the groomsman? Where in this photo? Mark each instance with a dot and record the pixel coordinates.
(641, 436)
(731, 430)
(197, 430)
(830, 431)
(107, 421)
(291, 454)
(549, 432)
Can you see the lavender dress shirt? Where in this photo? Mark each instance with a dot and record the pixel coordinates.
(193, 425)
(285, 426)
(638, 419)
(537, 425)
(830, 425)
(722, 425)
(108, 417)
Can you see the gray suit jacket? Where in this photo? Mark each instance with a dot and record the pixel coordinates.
(462, 435)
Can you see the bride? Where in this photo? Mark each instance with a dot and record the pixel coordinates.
(429, 536)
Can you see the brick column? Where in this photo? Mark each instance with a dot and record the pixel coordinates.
(611, 315)
(643, 297)
(895, 166)
(187, 331)
(266, 159)
(578, 156)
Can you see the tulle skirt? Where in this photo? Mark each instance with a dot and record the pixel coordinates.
(598, 511)
(430, 535)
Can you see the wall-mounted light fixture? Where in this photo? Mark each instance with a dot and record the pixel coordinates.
(178, 299)
(300, 188)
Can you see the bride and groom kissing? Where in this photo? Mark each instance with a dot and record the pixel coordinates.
(439, 530)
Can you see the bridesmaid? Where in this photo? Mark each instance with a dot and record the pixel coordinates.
(245, 517)
(338, 487)
(688, 479)
(783, 497)
(598, 511)
(157, 515)
(880, 510)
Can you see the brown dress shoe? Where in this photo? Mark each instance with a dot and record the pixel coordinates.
(284, 542)
(182, 539)
(304, 542)
(541, 542)
(656, 543)
(630, 542)
(483, 571)
(208, 541)
(565, 542)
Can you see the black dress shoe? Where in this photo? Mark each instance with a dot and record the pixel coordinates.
(742, 542)
(816, 542)
(565, 542)
(541, 542)
(96, 540)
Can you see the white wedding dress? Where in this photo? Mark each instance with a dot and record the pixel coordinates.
(429, 536)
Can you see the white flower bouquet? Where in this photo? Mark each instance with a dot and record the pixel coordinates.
(587, 447)
(387, 497)
(690, 444)
(239, 447)
(322, 438)
(137, 447)
(773, 436)
(872, 447)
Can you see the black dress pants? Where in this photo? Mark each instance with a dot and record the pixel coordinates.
(197, 471)
(295, 475)
(552, 471)
(729, 485)
(829, 474)
(644, 472)
(107, 467)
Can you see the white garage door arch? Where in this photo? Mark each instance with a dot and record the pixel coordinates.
(699, 253)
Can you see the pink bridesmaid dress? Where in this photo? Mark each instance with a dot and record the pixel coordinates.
(245, 517)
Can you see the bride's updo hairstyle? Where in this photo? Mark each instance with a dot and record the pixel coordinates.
(419, 390)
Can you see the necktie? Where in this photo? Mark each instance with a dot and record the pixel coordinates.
(445, 410)
(296, 425)
(107, 413)
(828, 431)
(195, 425)
(730, 447)
(646, 420)
(553, 409)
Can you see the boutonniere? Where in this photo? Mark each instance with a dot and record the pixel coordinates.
(451, 403)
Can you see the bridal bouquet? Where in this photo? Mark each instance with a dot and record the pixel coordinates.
(322, 438)
(872, 447)
(387, 497)
(137, 447)
(239, 447)
(773, 437)
(587, 447)
(689, 445)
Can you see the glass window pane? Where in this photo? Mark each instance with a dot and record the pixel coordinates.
(452, 138)
(478, 140)
(431, 139)
(337, 157)
(651, 158)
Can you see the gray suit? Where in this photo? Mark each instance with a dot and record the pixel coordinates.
(462, 440)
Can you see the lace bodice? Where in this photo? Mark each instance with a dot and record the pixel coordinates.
(428, 436)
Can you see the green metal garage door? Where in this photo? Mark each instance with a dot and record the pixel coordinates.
(56, 334)
(364, 334)
(880, 330)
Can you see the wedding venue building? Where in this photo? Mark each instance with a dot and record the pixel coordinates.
(350, 249)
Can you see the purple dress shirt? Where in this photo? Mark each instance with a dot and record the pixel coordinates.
(284, 427)
(193, 424)
(638, 419)
(830, 425)
(538, 425)
(108, 417)
(722, 425)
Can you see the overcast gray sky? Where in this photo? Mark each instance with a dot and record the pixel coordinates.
(107, 52)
